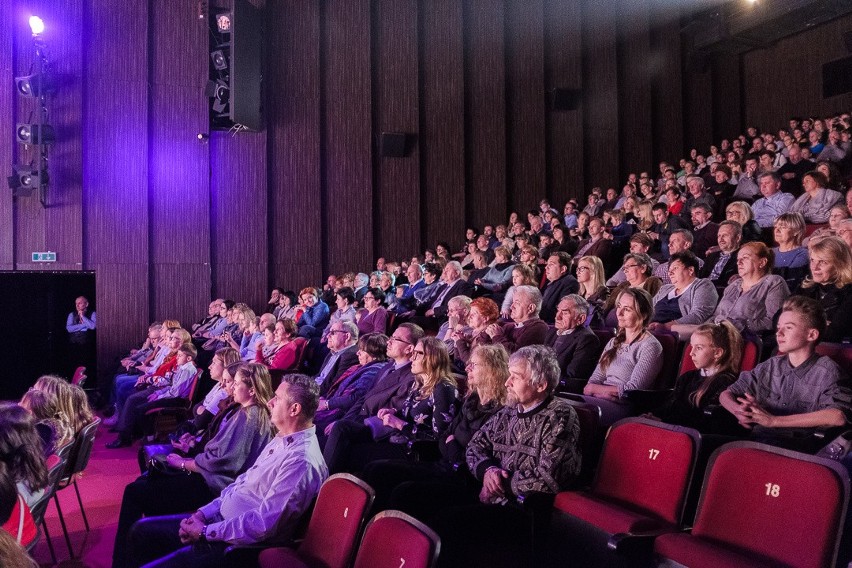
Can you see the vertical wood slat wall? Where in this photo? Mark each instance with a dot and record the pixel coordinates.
(167, 222)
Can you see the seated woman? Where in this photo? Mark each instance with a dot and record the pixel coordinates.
(287, 306)
(373, 317)
(16, 524)
(483, 312)
(688, 300)
(741, 212)
(280, 348)
(830, 284)
(836, 215)
(497, 280)
(791, 258)
(315, 314)
(251, 336)
(590, 275)
(53, 427)
(487, 373)
(563, 240)
(21, 451)
(207, 409)
(347, 392)
(816, 202)
(344, 300)
(637, 269)
(242, 432)
(752, 301)
(581, 231)
(716, 353)
(522, 275)
(631, 360)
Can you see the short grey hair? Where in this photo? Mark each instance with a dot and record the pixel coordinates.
(363, 279)
(350, 328)
(532, 294)
(462, 301)
(580, 303)
(543, 366)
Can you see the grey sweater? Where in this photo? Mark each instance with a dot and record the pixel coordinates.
(697, 303)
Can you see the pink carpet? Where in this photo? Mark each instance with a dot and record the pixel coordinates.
(101, 487)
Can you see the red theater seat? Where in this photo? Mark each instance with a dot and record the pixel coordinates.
(341, 509)
(393, 539)
(641, 485)
(764, 506)
(752, 347)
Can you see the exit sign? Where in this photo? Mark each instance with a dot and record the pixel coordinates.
(44, 257)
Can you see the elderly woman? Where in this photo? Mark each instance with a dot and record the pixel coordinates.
(488, 371)
(240, 435)
(816, 202)
(688, 300)
(637, 269)
(791, 258)
(483, 312)
(830, 283)
(373, 317)
(836, 216)
(741, 212)
(315, 315)
(522, 275)
(752, 301)
(344, 300)
(631, 360)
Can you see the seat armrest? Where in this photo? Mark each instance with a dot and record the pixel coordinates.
(642, 542)
(647, 400)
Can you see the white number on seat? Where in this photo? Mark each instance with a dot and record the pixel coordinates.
(652, 454)
(773, 489)
(401, 562)
(345, 512)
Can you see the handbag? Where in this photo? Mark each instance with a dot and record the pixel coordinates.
(158, 466)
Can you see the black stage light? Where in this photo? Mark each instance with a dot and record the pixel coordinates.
(35, 85)
(35, 134)
(220, 62)
(25, 179)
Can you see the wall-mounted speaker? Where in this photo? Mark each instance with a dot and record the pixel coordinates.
(396, 144)
(565, 99)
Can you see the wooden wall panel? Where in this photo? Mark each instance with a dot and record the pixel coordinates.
(117, 41)
(293, 144)
(600, 101)
(180, 291)
(634, 87)
(395, 109)
(122, 301)
(667, 92)
(7, 143)
(239, 211)
(243, 282)
(727, 108)
(525, 108)
(697, 109)
(564, 70)
(485, 113)
(442, 138)
(786, 79)
(348, 195)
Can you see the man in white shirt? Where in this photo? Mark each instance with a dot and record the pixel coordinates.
(263, 505)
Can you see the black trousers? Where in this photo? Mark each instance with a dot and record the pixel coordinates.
(154, 542)
(155, 495)
(350, 447)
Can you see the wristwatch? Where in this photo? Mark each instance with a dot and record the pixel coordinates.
(203, 534)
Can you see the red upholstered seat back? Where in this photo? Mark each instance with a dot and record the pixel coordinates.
(840, 353)
(750, 358)
(393, 539)
(337, 518)
(647, 468)
(783, 508)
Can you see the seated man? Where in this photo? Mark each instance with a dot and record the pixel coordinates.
(704, 232)
(264, 505)
(531, 445)
(577, 347)
(640, 243)
(559, 283)
(173, 393)
(786, 398)
(343, 353)
(526, 328)
(721, 264)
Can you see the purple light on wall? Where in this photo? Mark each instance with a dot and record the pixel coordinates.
(36, 25)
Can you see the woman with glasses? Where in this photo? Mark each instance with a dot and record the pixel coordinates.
(373, 317)
(590, 275)
(487, 372)
(349, 389)
(830, 284)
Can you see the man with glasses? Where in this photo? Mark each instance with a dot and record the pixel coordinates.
(343, 353)
(360, 425)
(640, 243)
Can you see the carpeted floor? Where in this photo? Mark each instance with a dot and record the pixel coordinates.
(101, 487)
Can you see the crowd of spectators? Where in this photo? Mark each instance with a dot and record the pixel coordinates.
(463, 350)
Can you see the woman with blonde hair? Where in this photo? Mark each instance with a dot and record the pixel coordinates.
(590, 275)
(644, 215)
(791, 258)
(830, 283)
(741, 212)
(52, 425)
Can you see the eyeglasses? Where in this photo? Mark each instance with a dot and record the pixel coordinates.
(583, 268)
(369, 298)
(394, 338)
(333, 331)
(626, 266)
(417, 354)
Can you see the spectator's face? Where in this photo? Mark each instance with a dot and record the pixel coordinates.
(595, 228)
(380, 264)
(519, 391)
(845, 233)
(457, 310)
(399, 344)
(566, 315)
(626, 312)
(374, 281)
(679, 274)
(749, 265)
(309, 300)
(727, 238)
(243, 393)
(517, 278)
(384, 282)
(704, 355)
(429, 278)
(751, 166)
(475, 318)
(488, 230)
(340, 302)
(213, 308)
(783, 232)
(733, 214)
(636, 247)
(768, 186)
(223, 310)
(280, 407)
(522, 308)
(449, 274)
(181, 358)
(500, 232)
(793, 333)
(822, 268)
(610, 194)
(720, 176)
(553, 269)
(337, 337)
(477, 372)
(810, 184)
(699, 216)
(695, 186)
(482, 242)
(413, 274)
(795, 152)
(370, 301)
(584, 272)
(677, 243)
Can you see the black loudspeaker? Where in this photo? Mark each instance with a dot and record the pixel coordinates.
(565, 99)
(395, 144)
(847, 39)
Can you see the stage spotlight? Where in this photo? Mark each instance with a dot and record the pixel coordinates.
(220, 62)
(35, 134)
(36, 25)
(35, 85)
(223, 22)
(220, 93)
(25, 179)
